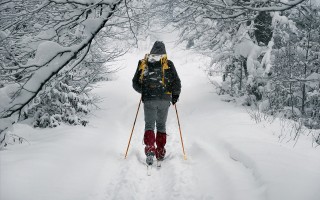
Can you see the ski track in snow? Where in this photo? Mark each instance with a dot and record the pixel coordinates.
(196, 178)
(94, 166)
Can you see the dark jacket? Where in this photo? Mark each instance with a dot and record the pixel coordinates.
(171, 79)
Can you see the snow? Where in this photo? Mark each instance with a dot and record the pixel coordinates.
(5, 127)
(87, 2)
(313, 80)
(283, 20)
(91, 25)
(3, 34)
(46, 51)
(267, 58)
(6, 94)
(244, 47)
(291, 112)
(47, 34)
(248, 49)
(229, 157)
(38, 78)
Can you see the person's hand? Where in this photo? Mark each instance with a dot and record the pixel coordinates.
(174, 99)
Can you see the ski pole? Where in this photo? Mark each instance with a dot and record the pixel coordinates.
(184, 153)
(134, 123)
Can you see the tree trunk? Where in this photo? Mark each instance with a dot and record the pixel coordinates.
(304, 95)
(244, 64)
(240, 86)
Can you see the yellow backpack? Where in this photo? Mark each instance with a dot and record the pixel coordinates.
(164, 64)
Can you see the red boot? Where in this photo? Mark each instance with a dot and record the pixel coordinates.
(161, 140)
(149, 140)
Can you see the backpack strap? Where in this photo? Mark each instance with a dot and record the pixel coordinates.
(142, 67)
(164, 64)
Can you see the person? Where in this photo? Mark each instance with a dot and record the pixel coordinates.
(158, 82)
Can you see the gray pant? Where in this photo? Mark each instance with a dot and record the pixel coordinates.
(156, 112)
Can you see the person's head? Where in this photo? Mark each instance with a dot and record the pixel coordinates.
(158, 48)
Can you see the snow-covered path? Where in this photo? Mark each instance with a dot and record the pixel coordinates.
(229, 156)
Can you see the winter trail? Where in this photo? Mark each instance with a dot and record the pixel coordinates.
(88, 163)
(209, 172)
(229, 157)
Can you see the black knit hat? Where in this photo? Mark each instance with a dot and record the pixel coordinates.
(158, 48)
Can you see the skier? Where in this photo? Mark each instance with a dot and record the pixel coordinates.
(158, 82)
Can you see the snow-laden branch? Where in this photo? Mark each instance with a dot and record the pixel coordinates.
(77, 62)
(226, 16)
(286, 6)
(84, 2)
(53, 59)
(231, 9)
(26, 13)
(5, 2)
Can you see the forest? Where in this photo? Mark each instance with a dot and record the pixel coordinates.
(53, 52)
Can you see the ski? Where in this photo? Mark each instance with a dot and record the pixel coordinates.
(159, 162)
(149, 168)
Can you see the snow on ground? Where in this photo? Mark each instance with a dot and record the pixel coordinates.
(229, 156)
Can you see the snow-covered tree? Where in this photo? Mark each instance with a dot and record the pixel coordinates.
(51, 49)
(234, 34)
(266, 50)
(296, 62)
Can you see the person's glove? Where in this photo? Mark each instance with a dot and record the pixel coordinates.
(174, 99)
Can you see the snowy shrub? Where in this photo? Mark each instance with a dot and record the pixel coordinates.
(290, 113)
(256, 90)
(63, 103)
(250, 100)
(317, 138)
